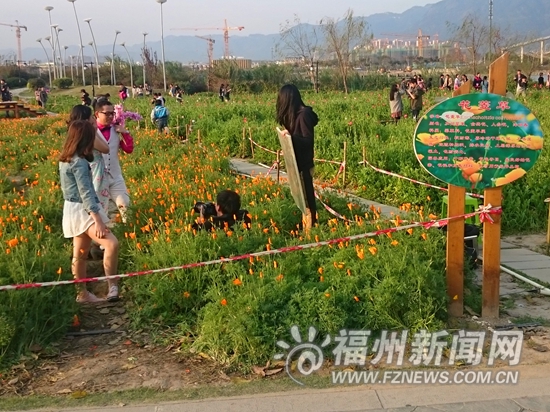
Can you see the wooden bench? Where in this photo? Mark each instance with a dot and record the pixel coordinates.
(18, 108)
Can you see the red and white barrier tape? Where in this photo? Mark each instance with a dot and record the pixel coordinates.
(332, 211)
(261, 147)
(412, 180)
(485, 213)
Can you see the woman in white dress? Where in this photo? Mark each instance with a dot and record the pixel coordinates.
(84, 219)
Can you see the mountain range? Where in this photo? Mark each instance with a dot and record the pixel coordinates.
(527, 18)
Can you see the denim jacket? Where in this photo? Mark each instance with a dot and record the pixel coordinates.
(76, 183)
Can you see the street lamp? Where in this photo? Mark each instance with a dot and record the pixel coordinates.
(113, 69)
(48, 60)
(81, 45)
(65, 61)
(57, 29)
(143, 57)
(91, 75)
(130, 63)
(94, 48)
(161, 2)
(49, 10)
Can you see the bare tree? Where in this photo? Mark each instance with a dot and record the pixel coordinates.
(473, 36)
(341, 37)
(299, 41)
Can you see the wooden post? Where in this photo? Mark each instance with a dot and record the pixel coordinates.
(364, 156)
(251, 142)
(498, 73)
(199, 136)
(278, 164)
(455, 239)
(244, 143)
(344, 162)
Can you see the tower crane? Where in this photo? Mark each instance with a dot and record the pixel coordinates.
(225, 33)
(210, 48)
(18, 36)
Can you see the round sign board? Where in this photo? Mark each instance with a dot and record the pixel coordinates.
(478, 140)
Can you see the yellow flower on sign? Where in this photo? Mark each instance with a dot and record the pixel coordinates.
(431, 139)
(532, 142)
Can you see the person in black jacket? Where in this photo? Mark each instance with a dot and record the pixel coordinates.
(223, 214)
(299, 121)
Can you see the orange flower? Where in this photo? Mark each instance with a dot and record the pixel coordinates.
(320, 270)
(13, 242)
(279, 278)
(237, 282)
(394, 243)
(186, 295)
(373, 250)
(59, 271)
(223, 302)
(372, 241)
(424, 236)
(355, 298)
(327, 295)
(321, 279)
(410, 231)
(76, 321)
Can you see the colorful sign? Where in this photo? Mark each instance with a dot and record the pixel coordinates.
(478, 140)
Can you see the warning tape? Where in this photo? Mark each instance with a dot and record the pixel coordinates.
(485, 213)
(412, 180)
(261, 147)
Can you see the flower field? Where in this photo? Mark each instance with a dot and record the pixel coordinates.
(235, 312)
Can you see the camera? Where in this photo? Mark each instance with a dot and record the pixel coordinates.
(207, 209)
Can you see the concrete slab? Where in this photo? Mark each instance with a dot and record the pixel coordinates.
(506, 245)
(540, 274)
(488, 406)
(535, 404)
(531, 264)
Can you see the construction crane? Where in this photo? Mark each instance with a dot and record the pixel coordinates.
(210, 48)
(18, 35)
(419, 39)
(225, 34)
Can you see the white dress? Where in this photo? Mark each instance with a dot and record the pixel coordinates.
(76, 220)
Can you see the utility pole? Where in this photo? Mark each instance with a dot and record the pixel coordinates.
(490, 30)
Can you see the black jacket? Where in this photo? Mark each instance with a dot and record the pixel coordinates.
(303, 137)
(221, 222)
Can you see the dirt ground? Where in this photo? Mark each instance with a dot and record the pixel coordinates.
(101, 353)
(535, 242)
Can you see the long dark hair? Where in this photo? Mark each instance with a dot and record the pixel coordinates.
(79, 112)
(289, 102)
(393, 90)
(79, 141)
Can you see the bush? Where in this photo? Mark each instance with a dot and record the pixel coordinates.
(16, 82)
(63, 83)
(35, 83)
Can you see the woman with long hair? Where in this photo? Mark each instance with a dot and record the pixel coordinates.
(396, 103)
(299, 121)
(84, 219)
(99, 177)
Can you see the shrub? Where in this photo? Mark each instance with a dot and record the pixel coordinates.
(63, 83)
(35, 83)
(16, 82)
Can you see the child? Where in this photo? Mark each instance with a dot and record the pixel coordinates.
(84, 219)
(159, 115)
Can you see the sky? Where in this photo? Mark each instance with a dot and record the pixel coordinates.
(133, 17)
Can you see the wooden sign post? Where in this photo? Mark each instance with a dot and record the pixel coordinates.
(455, 239)
(498, 74)
(477, 141)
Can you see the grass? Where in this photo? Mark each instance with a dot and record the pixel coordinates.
(238, 387)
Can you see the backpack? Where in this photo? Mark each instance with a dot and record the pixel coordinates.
(160, 112)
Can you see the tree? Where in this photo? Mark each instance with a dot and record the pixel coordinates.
(299, 41)
(341, 37)
(473, 36)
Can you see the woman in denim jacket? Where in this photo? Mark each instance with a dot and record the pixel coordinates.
(84, 219)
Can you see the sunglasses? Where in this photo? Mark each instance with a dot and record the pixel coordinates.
(108, 113)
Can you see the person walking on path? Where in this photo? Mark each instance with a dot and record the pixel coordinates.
(43, 97)
(396, 103)
(485, 85)
(83, 217)
(222, 93)
(299, 121)
(521, 84)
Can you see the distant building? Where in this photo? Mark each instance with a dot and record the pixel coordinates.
(240, 63)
